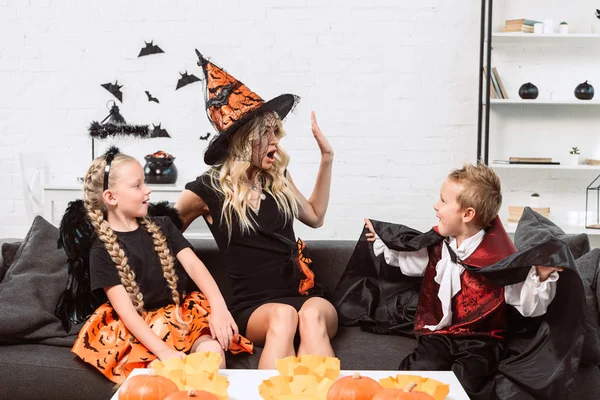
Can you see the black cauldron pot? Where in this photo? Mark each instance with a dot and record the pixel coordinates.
(160, 169)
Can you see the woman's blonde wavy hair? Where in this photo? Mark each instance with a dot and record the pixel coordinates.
(231, 179)
(97, 213)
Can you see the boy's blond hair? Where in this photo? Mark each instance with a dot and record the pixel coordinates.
(481, 191)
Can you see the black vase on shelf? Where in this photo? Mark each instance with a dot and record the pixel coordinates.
(584, 91)
(528, 91)
(160, 168)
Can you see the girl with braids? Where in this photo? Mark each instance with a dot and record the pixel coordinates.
(142, 265)
(249, 201)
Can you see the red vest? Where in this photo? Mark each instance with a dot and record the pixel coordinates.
(478, 309)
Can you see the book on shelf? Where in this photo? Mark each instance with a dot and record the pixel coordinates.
(493, 94)
(518, 28)
(503, 91)
(497, 90)
(532, 160)
(522, 21)
(519, 25)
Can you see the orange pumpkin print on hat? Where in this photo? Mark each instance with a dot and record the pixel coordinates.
(230, 104)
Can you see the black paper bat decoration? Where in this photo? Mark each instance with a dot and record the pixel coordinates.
(150, 97)
(157, 132)
(597, 13)
(205, 137)
(186, 80)
(114, 89)
(150, 48)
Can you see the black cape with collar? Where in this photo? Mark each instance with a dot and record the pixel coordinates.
(544, 353)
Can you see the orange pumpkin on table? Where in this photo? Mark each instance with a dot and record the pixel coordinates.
(191, 394)
(147, 387)
(402, 394)
(354, 387)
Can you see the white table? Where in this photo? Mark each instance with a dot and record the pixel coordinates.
(243, 383)
(56, 198)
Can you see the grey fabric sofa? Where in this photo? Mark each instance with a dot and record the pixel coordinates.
(42, 371)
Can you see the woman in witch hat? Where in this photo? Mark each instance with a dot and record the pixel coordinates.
(249, 201)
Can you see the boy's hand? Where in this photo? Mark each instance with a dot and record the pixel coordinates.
(371, 234)
(544, 272)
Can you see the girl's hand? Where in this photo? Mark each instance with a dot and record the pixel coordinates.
(544, 272)
(169, 353)
(371, 234)
(324, 146)
(222, 326)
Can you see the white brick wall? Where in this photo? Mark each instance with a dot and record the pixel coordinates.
(394, 86)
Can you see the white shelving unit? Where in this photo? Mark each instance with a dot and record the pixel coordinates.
(536, 102)
(508, 36)
(556, 121)
(498, 165)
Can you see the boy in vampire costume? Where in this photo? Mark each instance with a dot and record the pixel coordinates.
(501, 318)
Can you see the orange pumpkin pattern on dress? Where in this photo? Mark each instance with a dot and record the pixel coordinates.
(107, 344)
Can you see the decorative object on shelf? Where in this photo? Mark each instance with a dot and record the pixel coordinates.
(534, 200)
(150, 97)
(115, 126)
(548, 26)
(114, 89)
(186, 79)
(584, 91)
(575, 155)
(592, 205)
(528, 91)
(591, 161)
(515, 212)
(150, 48)
(563, 28)
(160, 168)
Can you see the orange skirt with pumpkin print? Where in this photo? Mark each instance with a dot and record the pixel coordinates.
(107, 344)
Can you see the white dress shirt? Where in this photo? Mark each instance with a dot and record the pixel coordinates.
(530, 297)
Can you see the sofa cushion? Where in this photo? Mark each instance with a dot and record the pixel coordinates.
(329, 260)
(37, 371)
(9, 250)
(360, 350)
(31, 287)
(534, 228)
(588, 267)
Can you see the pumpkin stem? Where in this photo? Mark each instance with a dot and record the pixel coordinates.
(192, 392)
(356, 375)
(410, 387)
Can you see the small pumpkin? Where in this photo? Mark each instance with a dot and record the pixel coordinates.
(402, 394)
(354, 387)
(191, 394)
(147, 387)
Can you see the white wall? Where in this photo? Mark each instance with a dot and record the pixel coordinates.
(394, 85)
